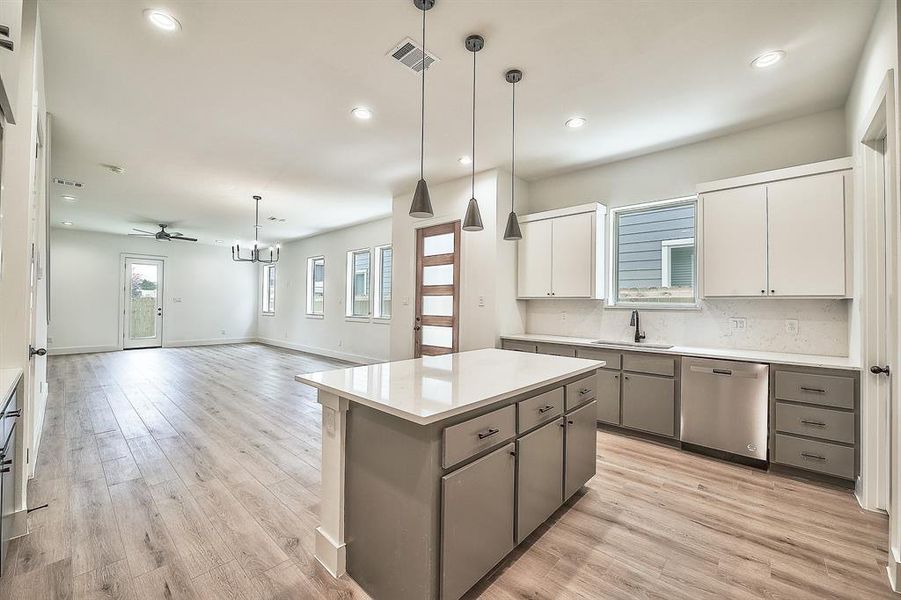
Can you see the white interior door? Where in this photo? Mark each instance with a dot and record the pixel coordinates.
(571, 256)
(143, 315)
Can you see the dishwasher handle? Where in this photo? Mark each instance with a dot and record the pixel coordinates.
(724, 372)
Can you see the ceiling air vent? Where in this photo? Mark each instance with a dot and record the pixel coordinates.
(68, 182)
(409, 54)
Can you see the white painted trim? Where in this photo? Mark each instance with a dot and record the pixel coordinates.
(82, 349)
(893, 570)
(355, 358)
(666, 258)
(330, 544)
(826, 166)
(564, 212)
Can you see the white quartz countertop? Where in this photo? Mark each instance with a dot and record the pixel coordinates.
(782, 358)
(9, 378)
(432, 388)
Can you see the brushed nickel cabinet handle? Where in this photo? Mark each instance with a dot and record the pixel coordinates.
(584, 391)
(814, 390)
(8, 44)
(812, 423)
(544, 409)
(810, 456)
(488, 433)
(4, 30)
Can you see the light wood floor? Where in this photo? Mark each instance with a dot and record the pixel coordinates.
(193, 473)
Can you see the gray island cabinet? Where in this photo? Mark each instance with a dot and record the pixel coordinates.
(434, 469)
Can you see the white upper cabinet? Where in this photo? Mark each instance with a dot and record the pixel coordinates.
(561, 253)
(734, 242)
(777, 234)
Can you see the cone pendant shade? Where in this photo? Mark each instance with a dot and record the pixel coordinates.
(472, 221)
(512, 232)
(421, 208)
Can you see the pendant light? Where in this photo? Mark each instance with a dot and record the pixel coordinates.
(472, 221)
(421, 207)
(513, 232)
(255, 251)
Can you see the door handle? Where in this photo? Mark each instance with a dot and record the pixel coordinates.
(39, 351)
(877, 370)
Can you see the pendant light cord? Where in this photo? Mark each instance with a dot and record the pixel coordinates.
(513, 154)
(422, 113)
(474, 124)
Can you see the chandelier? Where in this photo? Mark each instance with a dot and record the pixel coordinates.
(255, 255)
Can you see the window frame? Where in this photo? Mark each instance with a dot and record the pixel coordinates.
(376, 291)
(349, 286)
(613, 300)
(311, 263)
(267, 296)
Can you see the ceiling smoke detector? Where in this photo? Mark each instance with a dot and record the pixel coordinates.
(409, 54)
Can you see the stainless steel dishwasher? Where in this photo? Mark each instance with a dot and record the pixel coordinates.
(725, 405)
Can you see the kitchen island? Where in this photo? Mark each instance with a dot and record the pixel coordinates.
(434, 469)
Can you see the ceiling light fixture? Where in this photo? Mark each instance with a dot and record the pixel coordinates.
(70, 198)
(162, 20)
(513, 232)
(255, 251)
(575, 122)
(67, 223)
(464, 160)
(472, 220)
(768, 59)
(113, 168)
(421, 206)
(362, 113)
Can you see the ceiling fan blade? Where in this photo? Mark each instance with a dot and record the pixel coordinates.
(142, 234)
(175, 233)
(143, 231)
(183, 238)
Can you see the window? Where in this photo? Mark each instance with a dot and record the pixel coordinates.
(269, 290)
(316, 286)
(358, 284)
(383, 255)
(654, 259)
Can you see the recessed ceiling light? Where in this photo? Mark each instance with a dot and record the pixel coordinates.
(162, 20)
(70, 198)
(768, 59)
(67, 223)
(464, 160)
(575, 122)
(362, 113)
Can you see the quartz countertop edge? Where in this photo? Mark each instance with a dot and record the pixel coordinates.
(514, 389)
(781, 358)
(9, 379)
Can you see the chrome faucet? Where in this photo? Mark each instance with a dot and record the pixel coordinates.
(635, 322)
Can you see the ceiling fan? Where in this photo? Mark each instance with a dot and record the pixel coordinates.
(162, 234)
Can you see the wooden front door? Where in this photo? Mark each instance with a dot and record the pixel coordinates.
(437, 327)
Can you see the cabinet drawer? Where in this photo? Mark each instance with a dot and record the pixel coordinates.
(476, 520)
(826, 390)
(613, 359)
(607, 395)
(539, 409)
(557, 349)
(822, 457)
(519, 346)
(539, 481)
(822, 423)
(648, 363)
(581, 391)
(649, 404)
(475, 435)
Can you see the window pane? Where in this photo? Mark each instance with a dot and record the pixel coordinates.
(439, 306)
(316, 286)
(655, 259)
(438, 244)
(385, 283)
(269, 289)
(433, 335)
(438, 275)
(360, 284)
(143, 305)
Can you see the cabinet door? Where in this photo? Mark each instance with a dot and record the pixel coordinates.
(7, 491)
(807, 236)
(539, 481)
(572, 256)
(608, 396)
(734, 242)
(649, 404)
(476, 520)
(534, 261)
(580, 456)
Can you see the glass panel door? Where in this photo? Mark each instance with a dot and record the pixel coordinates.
(436, 330)
(143, 303)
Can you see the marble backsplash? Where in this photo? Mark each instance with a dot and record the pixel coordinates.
(822, 324)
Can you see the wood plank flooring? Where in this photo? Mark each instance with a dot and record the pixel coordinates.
(193, 473)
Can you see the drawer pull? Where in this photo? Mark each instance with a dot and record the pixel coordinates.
(812, 423)
(489, 433)
(544, 409)
(8, 44)
(584, 391)
(810, 456)
(810, 389)
(4, 30)
(722, 371)
(13, 414)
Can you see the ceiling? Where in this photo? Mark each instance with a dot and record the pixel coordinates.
(254, 97)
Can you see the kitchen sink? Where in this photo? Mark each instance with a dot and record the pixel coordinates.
(633, 344)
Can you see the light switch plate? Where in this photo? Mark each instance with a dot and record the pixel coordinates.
(738, 323)
(791, 326)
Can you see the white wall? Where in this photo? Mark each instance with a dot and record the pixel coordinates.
(675, 172)
(333, 334)
(215, 293)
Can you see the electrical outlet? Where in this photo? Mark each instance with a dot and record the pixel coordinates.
(738, 323)
(481, 300)
(791, 326)
(176, 300)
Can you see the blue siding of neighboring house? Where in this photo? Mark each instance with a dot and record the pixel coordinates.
(640, 236)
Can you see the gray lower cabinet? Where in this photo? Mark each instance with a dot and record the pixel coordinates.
(608, 396)
(649, 403)
(476, 520)
(8, 421)
(580, 454)
(539, 474)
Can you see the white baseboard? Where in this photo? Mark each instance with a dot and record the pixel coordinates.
(355, 358)
(894, 570)
(330, 555)
(207, 342)
(82, 349)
